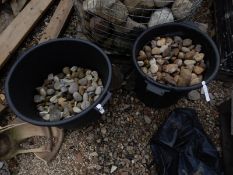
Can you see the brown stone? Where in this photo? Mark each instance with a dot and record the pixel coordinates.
(159, 76)
(170, 68)
(179, 62)
(195, 81)
(185, 49)
(161, 42)
(153, 44)
(181, 55)
(168, 78)
(189, 62)
(167, 52)
(185, 77)
(190, 55)
(176, 78)
(198, 70)
(187, 42)
(142, 56)
(160, 61)
(199, 56)
(147, 48)
(169, 41)
(175, 51)
(156, 51)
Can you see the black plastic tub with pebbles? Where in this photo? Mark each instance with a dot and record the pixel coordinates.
(74, 94)
(178, 58)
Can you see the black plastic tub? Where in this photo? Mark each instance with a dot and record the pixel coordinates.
(33, 67)
(159, 95)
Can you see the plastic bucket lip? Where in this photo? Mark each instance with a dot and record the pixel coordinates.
(173, 88)
(60, 122)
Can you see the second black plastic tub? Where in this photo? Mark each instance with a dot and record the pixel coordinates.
(33, 67)
(159, 95)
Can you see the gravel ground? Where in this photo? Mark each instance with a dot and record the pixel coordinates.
(119, 141)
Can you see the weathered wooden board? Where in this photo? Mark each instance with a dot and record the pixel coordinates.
(58, 20)
(18, 29)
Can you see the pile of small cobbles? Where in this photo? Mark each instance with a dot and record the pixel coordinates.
(173, 61)
(68, 93)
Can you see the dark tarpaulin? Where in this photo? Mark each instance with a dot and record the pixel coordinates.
(181, 147)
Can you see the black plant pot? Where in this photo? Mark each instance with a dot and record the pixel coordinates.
(32, 68)
(159, 95)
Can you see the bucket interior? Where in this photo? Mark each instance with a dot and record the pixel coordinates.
(208, 48)
(33, 68)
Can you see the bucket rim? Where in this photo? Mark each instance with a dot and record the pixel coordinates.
(74, 117)
(175, 88)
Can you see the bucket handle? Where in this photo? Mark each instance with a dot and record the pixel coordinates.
(155, 90)
(99, 108)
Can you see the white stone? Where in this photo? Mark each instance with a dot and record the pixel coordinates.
(161, 16)
(113, 168)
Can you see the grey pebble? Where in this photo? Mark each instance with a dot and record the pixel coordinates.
(73, 88)
(94, 74)
(98, 90)
(91, 89)
(177, 39)
(56, 79)
(85, 104)
(94, 83)
(50, 77)
(141, 63)
(50, 91)
(198, 48)
(53, 99)
(96, 97)
(74, 68)
(46, 117)
(1, 164)
(85, 97)
(83, 81)
(100, 83)
(194, 95)
(89, 77)
(187, 42)
(77, 96)
(64, 89)
(81, 74)
(43, 113)
(40, 108)
(66, 70)
(185, 49)
(88, 72)
(57, 85)
(42, 92)
(55, 114)
(66, 81)
(77, 110)
(38, 98)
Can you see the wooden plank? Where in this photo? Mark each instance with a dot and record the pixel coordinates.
(58, 20)
(18, 29)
